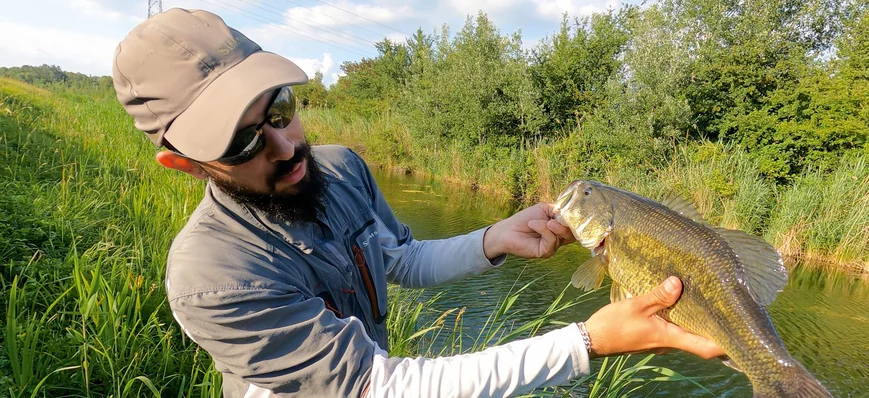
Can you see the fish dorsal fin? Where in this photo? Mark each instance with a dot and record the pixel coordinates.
(763, 271)
(685, 208)
(590, 274)
(618, 293)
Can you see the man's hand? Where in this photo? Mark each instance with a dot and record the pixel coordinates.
(631, 326)
(530, 233)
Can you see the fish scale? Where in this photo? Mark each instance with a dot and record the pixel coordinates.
(641, 242)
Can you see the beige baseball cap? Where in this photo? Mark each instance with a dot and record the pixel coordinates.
(187, 78)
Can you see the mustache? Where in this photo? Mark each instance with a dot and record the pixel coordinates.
(286, 167)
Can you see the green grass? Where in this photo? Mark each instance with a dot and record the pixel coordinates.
(825, 218)
(89, 218)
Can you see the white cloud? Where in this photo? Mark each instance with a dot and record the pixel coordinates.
(32, 45)
(396, 37)
(335, 77)
(329, 24)
(366, 14)
(488, 6)
(314, 65)
(555, 9)
(94, 9)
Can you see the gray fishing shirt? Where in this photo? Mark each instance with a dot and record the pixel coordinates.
(300, 309)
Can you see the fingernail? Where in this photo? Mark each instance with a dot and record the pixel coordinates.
(670, 285)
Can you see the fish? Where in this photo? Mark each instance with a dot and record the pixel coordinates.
(728, 276)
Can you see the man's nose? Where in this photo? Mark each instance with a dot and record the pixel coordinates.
(278, 146)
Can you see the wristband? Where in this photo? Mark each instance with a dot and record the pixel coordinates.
(585, 337)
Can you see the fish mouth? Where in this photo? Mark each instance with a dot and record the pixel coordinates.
(564, 199)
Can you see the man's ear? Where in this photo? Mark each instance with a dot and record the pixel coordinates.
(175, 161)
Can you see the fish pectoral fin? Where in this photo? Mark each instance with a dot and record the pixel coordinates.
(685, 208)
(729, 363)
(618, 293)
(589, 275)
(763, 271)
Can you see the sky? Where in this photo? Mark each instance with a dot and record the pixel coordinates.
(318, 35)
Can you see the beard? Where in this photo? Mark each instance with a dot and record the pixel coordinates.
(302, 205)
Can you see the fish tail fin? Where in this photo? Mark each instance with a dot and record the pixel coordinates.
(798, 383)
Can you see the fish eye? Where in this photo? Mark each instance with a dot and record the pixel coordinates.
(587, 191)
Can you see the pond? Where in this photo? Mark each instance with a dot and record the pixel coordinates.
(823, 318)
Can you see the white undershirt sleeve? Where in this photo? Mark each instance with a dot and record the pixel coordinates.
(514, 368)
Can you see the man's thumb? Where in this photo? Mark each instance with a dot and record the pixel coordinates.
(666, 294)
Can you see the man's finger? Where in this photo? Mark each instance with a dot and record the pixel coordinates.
(548, 240)
(548, 209)
(689, 342)
(561, 231)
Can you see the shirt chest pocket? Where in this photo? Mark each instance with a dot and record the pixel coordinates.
(368, 261)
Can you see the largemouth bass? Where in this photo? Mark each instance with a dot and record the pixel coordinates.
(728, 276)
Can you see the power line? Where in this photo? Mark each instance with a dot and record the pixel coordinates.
(312, 36)
(343, 35)
(357, 15)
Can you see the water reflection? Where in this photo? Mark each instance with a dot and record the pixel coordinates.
(822, 318)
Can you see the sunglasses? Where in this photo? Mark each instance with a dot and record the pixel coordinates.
(249, 141)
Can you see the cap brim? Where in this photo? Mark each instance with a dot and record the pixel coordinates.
(203, 131)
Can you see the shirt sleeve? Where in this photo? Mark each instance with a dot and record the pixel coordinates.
(419, 264)
(279, 341)
(288, 346)
(514, 368)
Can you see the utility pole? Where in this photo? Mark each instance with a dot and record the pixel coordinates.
(154, 7)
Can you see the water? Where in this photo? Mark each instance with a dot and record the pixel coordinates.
(823, 319)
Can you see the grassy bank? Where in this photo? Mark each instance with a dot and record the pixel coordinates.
(821, 218)
(87, 219)
(87, 216)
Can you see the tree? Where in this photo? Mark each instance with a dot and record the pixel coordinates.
(313, 94)
(570, 68)
(477, 89)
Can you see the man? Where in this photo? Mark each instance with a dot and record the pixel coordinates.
(281, 272)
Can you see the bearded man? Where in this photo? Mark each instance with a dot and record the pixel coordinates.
(281, 272)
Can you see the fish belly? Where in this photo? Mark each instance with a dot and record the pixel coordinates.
(710, 306)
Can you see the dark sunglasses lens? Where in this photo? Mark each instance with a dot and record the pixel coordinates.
(246, 143)
(283, 109)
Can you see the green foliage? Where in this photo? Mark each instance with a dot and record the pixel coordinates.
(634, 98)
(743, 51)
(634, 83)
(477, 91)
(370, 85)
(570, 69)
(313, 94)
(811, 125)
(854, 47)
(51, 76)
(817, 120)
